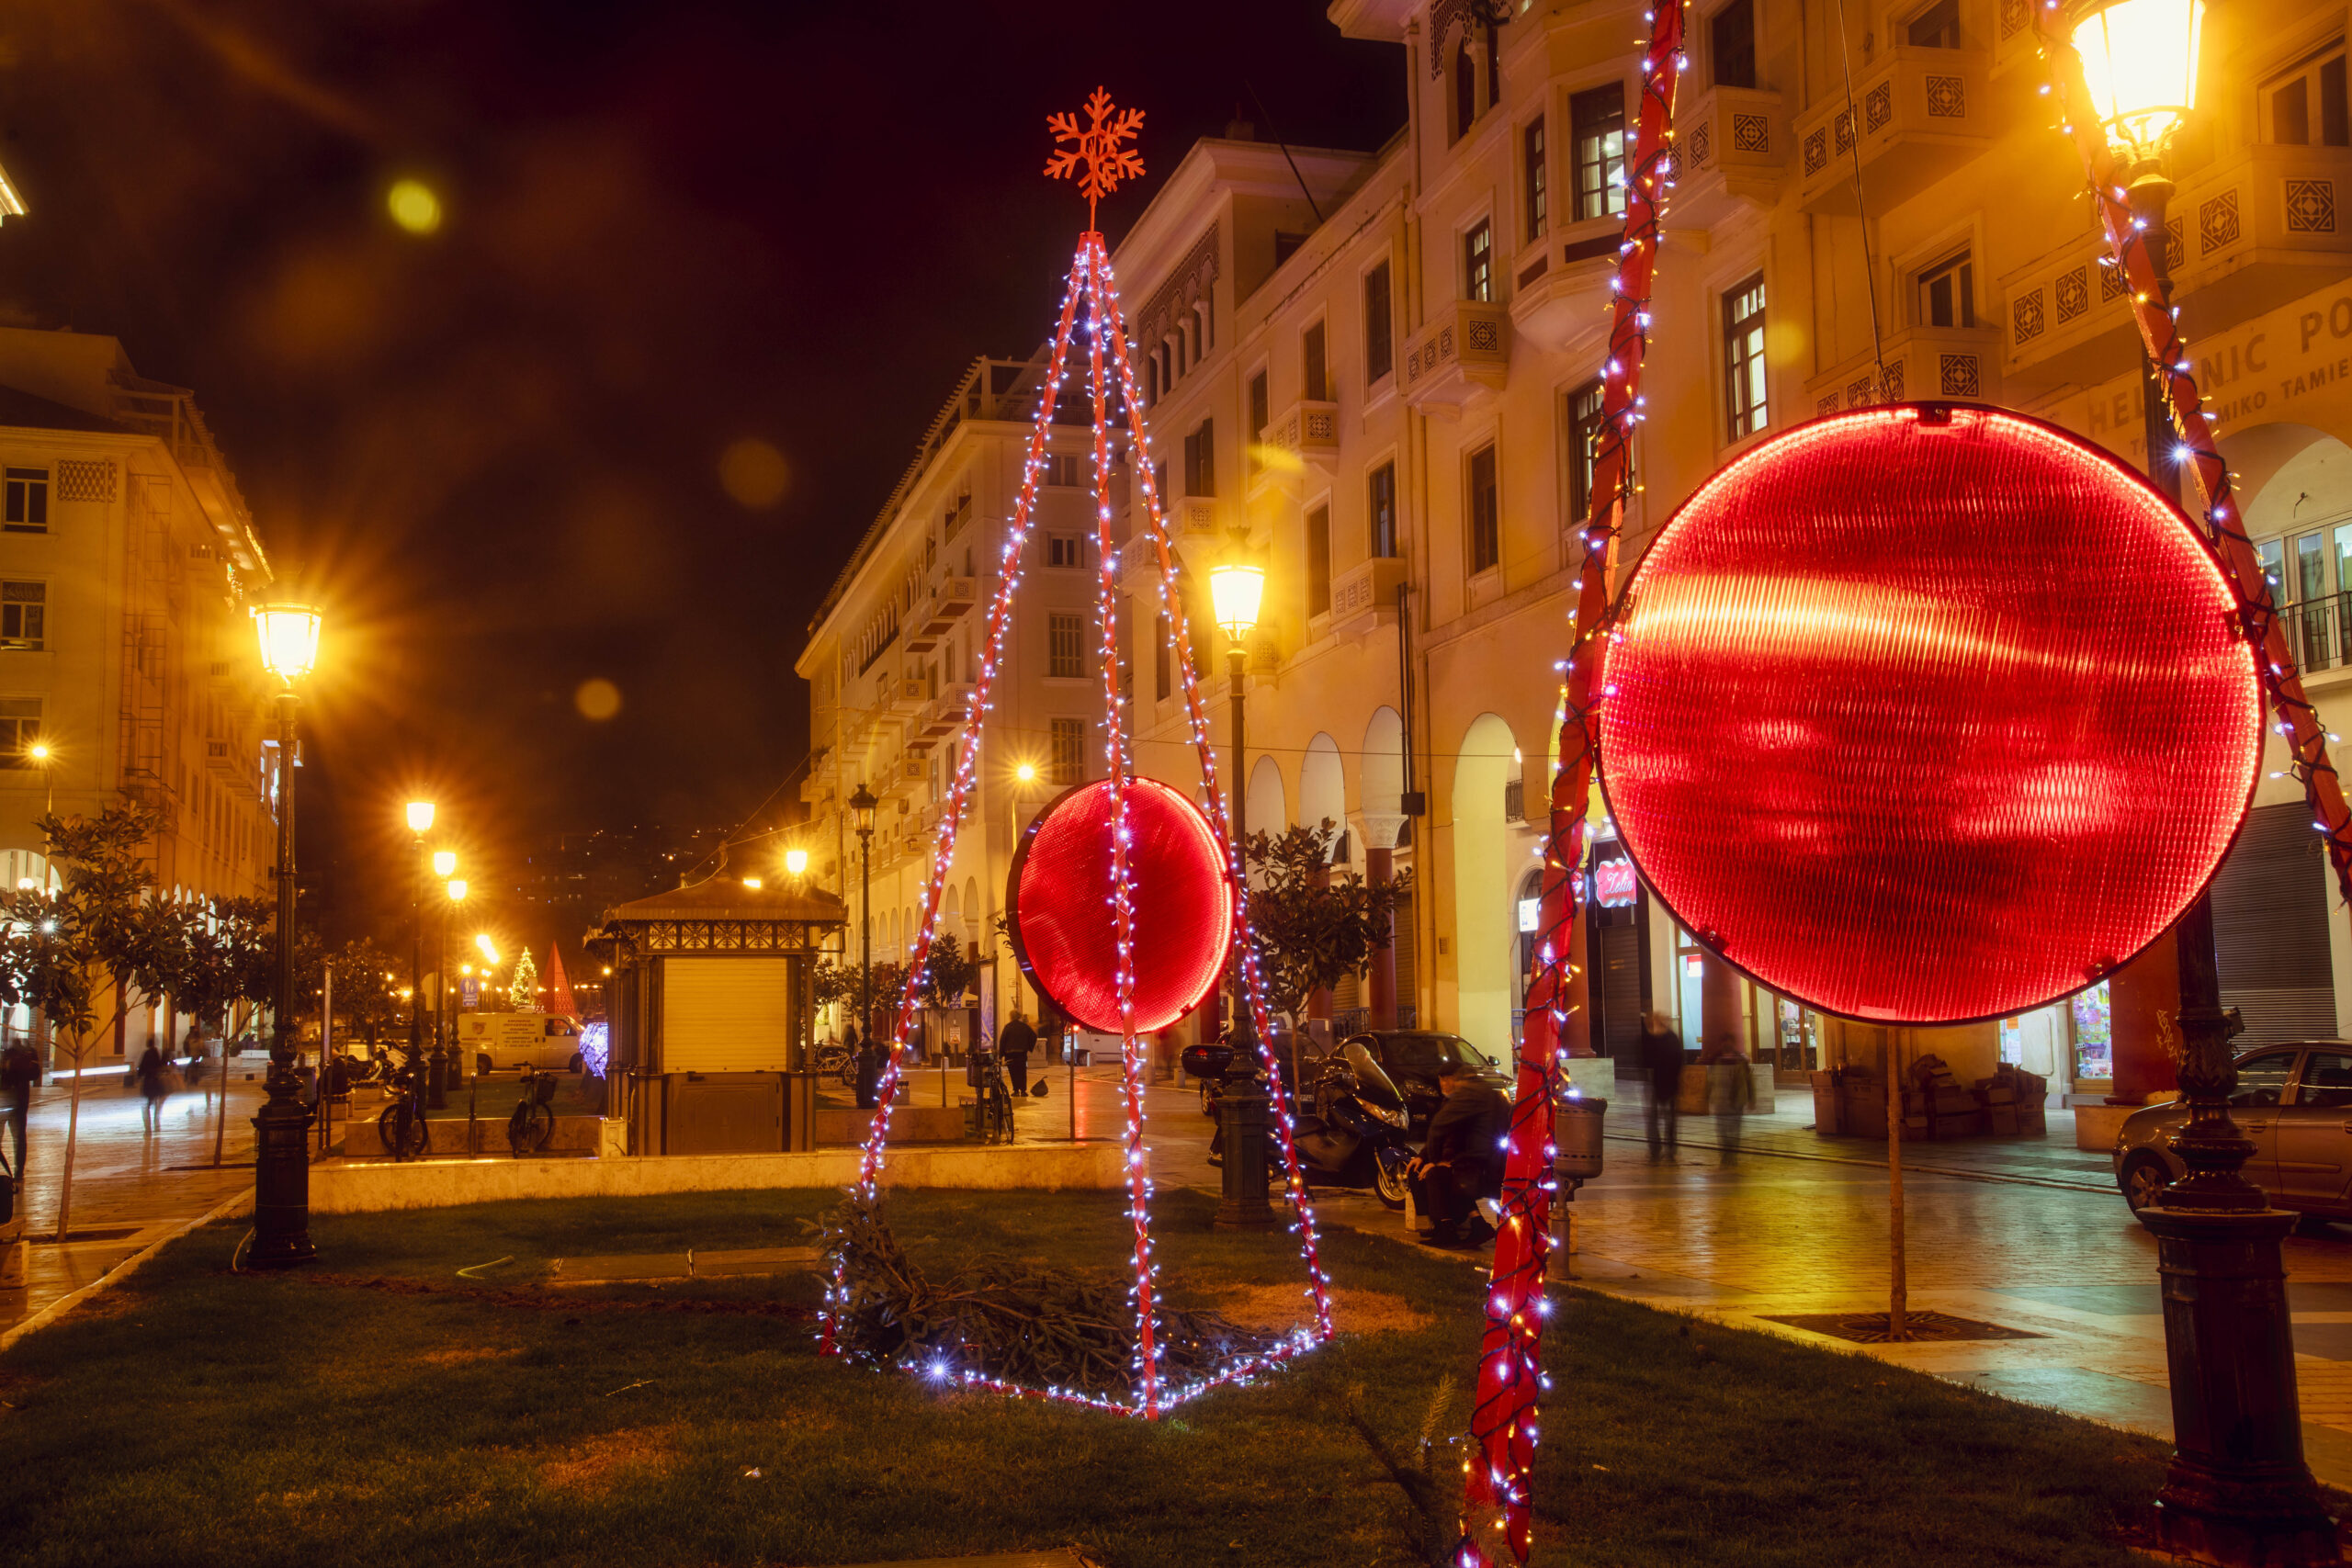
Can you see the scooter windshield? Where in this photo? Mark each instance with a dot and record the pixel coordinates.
(1371, 1082)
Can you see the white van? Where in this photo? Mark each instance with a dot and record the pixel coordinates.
(495, 1041)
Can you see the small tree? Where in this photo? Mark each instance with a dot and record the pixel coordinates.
(84, 952)
(1313, 924)
(364, 999)
(217, 960)
(525, 992)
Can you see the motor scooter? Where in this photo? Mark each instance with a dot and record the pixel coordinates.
(1352, 1130)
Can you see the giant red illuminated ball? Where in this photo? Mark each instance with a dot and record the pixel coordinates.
(1064, 928)
(1928, 715)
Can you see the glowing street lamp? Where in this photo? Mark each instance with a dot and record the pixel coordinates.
(444, 863)
(2140, 63)
(41, 756)
(1237, 591)
(489, 948)
(287, 634)
(796, 863)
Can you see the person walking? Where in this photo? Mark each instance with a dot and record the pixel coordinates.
(1731, 1090)
(1662, 1060)
(152, 1087)
(1013, 1042)
(1462, 1159)
(19, 1071)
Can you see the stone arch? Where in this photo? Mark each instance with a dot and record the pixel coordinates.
(1380, 778)
(1268, 801)
(1323, 785)
(1486, 934)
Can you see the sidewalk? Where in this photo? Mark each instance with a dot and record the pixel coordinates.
(129, 1189)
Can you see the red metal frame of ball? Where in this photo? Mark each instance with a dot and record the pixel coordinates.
(1929, 713)
(1058, 913)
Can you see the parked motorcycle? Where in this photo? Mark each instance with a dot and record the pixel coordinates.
(1351, 1129)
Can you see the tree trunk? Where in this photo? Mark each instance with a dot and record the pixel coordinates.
(73, 1127)
(221, 1113)
(1898, 1283)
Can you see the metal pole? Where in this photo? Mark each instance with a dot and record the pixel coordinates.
(865, 932)
(2239, 1491)
(445, 1060)
(281, 1130)
(1242, 1108)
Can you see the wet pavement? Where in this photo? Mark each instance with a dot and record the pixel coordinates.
(131, 1187)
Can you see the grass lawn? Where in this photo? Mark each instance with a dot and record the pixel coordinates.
(346, 1415)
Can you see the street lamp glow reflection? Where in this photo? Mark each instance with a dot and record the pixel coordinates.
(2140, 63)
(444, 863)
(289, 639)
(1235, 589)
(420, 815)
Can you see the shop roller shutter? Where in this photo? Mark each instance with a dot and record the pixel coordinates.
(2270, 929)
(726, 1015)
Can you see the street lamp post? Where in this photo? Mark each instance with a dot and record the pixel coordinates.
(290, 649)
(455, 1059)
(1236, 590)
(2239, 1491)
(445, 867)
(862, 807)
(42, 755)
(420, 822)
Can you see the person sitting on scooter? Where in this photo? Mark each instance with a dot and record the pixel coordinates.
(1462, 1159)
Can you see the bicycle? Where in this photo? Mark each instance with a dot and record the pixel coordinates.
(984, 1071)
(531, 1126)
(402, 1125)
(835, 1060)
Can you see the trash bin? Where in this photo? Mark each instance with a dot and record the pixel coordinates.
(1575, 1137)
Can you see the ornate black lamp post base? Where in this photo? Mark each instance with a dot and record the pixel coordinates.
(1241, 1114)
(2238, 1492)
(281, 1177)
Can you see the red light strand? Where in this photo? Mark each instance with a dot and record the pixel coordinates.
(2222, 522)
(1511, 1366)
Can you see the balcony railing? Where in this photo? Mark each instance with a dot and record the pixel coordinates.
(1732, 148)
(2320, 631)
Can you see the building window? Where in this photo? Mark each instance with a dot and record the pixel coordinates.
(1314, 371)
(1744, 358)
(1061, 469)
(2307, 106)
(1485, 521)
(1478, 264)
(1731, 42)
(24, 608)
(1162, 659)
(1258, 417)
(1534, 178)
(1597, 118)
(1069, 752)
(1065, 549)
(1947, 293)
(19, 727)
(1065, 647)
(1383, 486)
(1200, 460)
(1379, 343)
(28, 500)
(1584, 448)
(1938, 26)
(1318, 561)
(1465, 90)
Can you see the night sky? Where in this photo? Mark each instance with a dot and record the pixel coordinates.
(668, 229)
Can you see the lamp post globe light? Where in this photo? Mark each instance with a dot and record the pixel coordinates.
(42, 754)
(1237, 589)
(2238, 1490)
(796, 863)
(860, 805)
(289, 649)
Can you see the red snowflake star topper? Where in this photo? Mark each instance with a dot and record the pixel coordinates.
(1098, 148)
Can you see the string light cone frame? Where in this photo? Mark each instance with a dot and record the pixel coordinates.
(1102, 160)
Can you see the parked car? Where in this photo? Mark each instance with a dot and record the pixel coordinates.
(547, 1041)
(1411, 1058)
(2293, 1103)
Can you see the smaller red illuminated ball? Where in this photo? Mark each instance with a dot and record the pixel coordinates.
(1064, 927)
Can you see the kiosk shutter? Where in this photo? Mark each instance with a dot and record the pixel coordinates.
(2270, 929)
(726, 1015)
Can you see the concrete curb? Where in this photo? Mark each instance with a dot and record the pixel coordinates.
(71, 1299)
